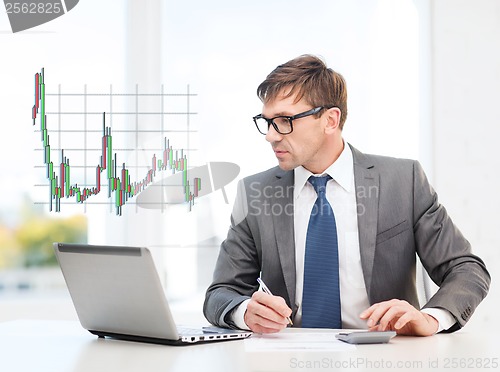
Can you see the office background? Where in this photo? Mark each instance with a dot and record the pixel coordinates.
(423, 80)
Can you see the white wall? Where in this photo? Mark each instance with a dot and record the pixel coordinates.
(466, 118)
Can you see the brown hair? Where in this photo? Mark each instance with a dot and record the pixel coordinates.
(311, 79)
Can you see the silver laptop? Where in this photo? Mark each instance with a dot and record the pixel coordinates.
(117, 293)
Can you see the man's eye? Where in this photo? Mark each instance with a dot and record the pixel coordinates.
(281, 121)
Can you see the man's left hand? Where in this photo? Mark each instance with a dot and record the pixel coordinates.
(399, 316)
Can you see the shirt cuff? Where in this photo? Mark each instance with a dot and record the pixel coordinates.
(238, 315)
(444, 318)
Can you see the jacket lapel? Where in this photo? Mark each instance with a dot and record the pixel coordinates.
(282, 202)
(366, 180)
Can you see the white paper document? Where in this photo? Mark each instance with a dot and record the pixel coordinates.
(295, 341)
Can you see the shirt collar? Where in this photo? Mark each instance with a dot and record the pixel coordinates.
(342, 171)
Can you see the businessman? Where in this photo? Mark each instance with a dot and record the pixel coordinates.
(333, 232)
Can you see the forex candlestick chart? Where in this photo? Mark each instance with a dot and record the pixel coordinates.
(117, 178)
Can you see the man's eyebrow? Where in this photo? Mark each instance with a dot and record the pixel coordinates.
(281, 113)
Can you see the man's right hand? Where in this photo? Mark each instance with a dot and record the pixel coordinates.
(266, 313)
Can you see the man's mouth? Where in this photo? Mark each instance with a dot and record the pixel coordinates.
(280, 152)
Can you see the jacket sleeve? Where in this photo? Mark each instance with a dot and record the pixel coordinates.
(237, 267)
(462, 277)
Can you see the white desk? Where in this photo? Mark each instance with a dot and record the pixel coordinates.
(32, 345)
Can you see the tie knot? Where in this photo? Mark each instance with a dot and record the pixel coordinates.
(319, 183)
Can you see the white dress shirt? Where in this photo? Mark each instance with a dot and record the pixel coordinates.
(341, 194)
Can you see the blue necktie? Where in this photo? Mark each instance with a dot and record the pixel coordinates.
(321, 293)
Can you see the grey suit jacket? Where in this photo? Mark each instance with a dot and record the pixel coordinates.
(399, 217)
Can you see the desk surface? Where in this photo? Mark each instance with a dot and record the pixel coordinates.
(31, 345)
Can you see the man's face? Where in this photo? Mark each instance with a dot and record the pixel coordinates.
(305, 144)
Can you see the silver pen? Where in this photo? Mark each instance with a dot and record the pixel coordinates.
(266, 290)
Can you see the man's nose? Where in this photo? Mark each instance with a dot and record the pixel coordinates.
(272, 135)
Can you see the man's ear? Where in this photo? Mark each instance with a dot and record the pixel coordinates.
(333, 116)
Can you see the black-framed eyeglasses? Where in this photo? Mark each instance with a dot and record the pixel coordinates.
(282, 124)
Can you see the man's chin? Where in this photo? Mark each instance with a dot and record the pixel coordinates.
(286, 166)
